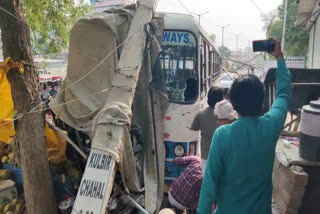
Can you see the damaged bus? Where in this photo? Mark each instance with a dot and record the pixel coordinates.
(139, 138)
(189, 61)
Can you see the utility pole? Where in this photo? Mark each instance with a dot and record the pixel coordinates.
(284, 25)
(237, 35)
(222, 31)
(249, 51)
(237, 53)
(132, 54)
(237, 42)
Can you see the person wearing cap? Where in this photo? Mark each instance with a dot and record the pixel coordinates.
(238, 176)
(225, 113)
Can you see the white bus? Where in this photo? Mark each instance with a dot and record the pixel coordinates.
(190, 62)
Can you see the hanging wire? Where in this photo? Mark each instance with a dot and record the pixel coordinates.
(185, 7)
(91, 71)
(255, 4)
(84, 76)
(18, 116)
(307, 19)
(244, 64)
(149, 30)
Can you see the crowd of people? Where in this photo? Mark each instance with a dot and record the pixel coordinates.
(234, 173)
(47, 94)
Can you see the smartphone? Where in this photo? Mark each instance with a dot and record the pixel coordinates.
(263, 45)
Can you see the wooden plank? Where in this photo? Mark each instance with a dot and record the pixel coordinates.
(290, 133)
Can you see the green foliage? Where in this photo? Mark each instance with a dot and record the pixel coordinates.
(213, 37)
(225, 52)
(52, 21)
(296, 39)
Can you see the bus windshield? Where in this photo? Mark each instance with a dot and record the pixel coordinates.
(178, 62)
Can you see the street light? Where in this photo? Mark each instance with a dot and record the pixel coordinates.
(237, 35)
(200, 14)
(222, 28)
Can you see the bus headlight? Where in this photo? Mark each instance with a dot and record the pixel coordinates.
(179, 150)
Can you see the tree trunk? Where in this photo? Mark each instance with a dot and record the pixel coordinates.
(38, 188)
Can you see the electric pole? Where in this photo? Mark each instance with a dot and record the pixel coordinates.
(237, 50)
(237, 35)
(284, 25)
(222, 31)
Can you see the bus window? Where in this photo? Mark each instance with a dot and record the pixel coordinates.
(217, 63)
(178, 62)
(201, 68)
(205, 67)
(208, 68)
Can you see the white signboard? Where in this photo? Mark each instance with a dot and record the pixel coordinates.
(178, 38)
(91, 194)
(295, 62)
(292, 62)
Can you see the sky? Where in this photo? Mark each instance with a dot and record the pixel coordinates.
(243, 17)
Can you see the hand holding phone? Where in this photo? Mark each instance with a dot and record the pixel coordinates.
(271, 46)
(277, 52)
(263, 45)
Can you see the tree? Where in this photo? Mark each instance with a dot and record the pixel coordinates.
(37, 179)
(296, 39)
(225, 52)
(52, 20)
(213, 37)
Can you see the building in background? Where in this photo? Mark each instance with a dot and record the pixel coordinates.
(101, 5)
(246, 61)
(52, 66)
(309, 18)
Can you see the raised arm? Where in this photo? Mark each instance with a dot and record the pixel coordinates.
(278, 111)
(212, 176)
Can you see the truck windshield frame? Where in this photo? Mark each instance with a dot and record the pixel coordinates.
(179, 63)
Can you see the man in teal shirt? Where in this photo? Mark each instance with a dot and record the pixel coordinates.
(238, 176)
